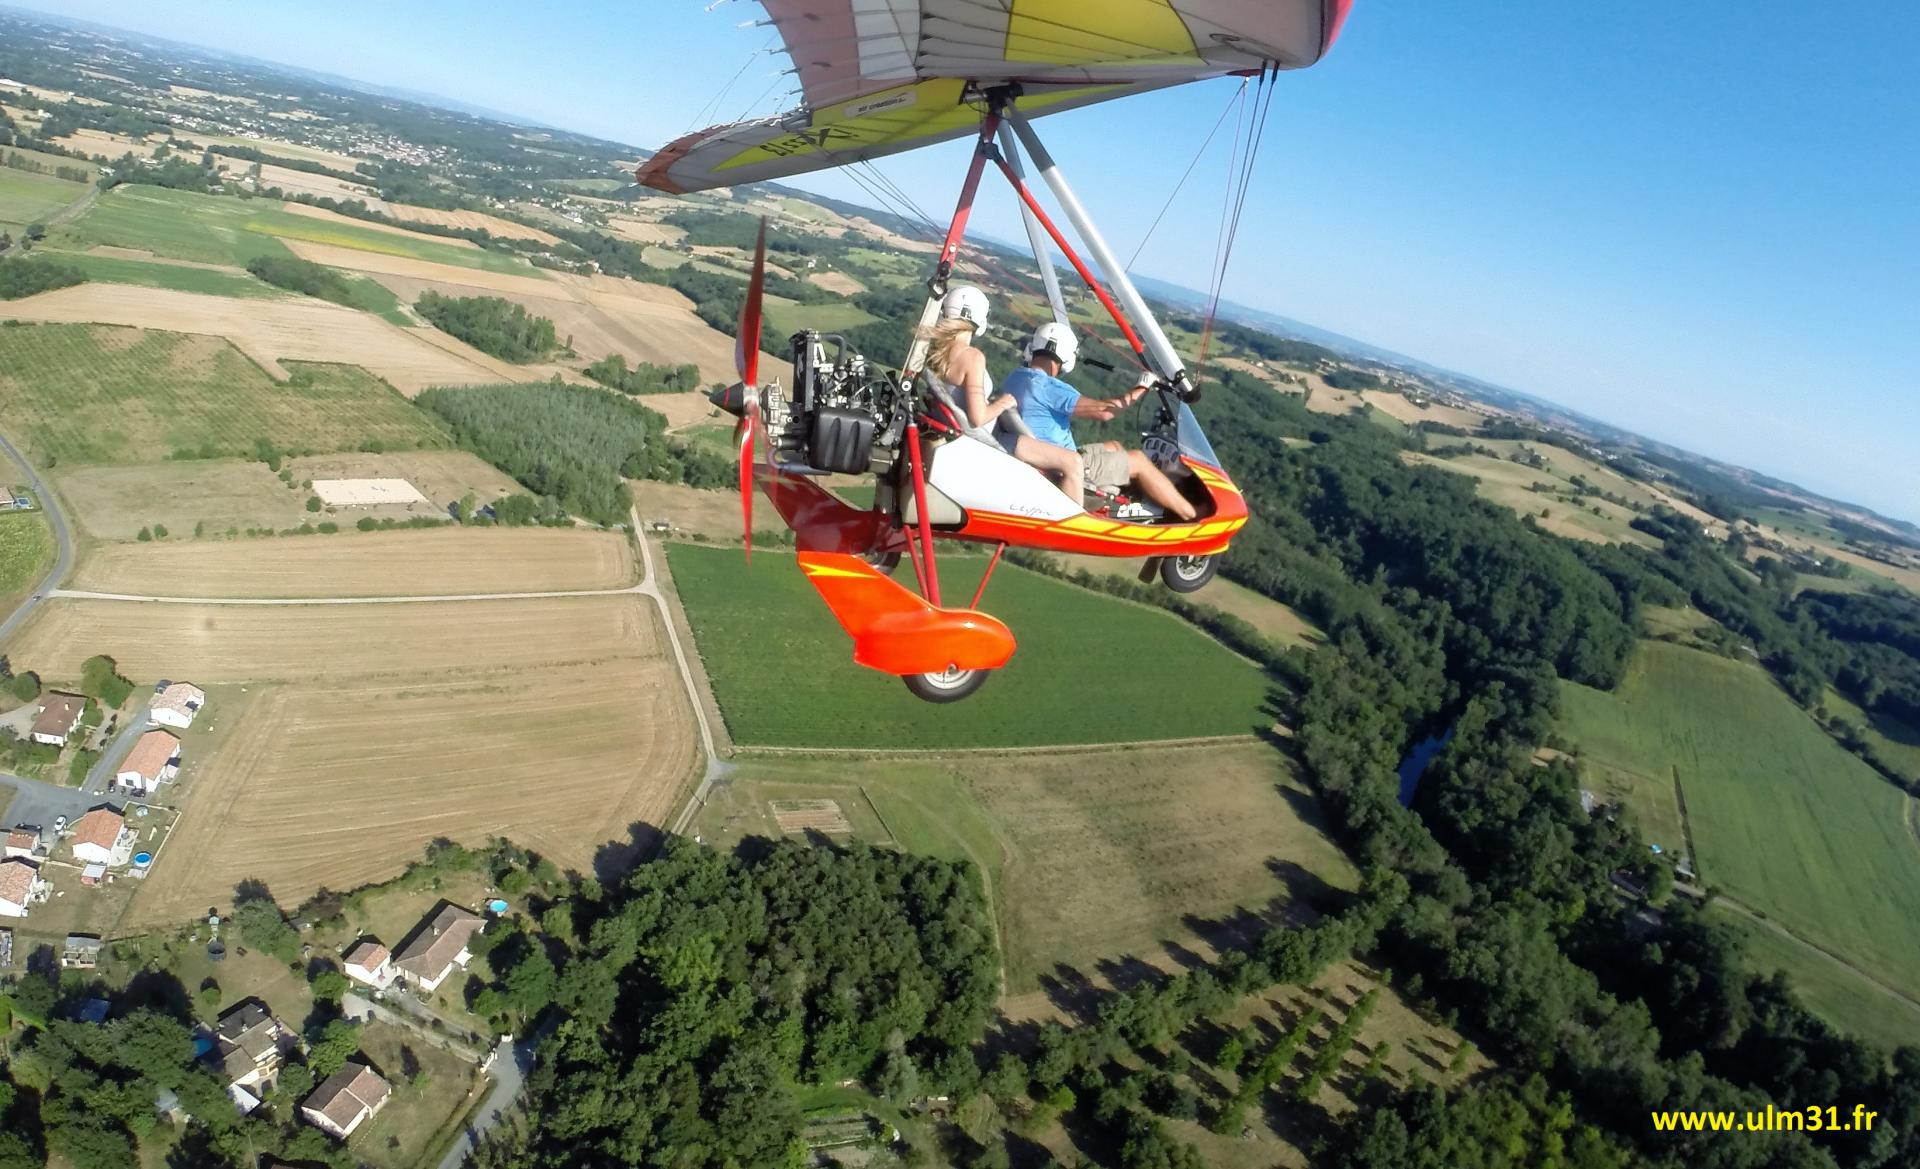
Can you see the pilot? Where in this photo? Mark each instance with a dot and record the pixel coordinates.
(1049, 406)
(952, 358)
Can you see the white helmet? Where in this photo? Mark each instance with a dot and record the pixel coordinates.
(967, 303)
(1057, 341)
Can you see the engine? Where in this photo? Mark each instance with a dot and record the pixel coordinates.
(842, 415)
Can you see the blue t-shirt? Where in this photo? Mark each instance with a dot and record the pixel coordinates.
(1046, 404)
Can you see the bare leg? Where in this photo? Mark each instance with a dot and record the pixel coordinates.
(1158, 487)
(1055, 460)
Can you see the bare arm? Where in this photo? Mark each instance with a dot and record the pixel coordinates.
(972, 380)
(1102, 409)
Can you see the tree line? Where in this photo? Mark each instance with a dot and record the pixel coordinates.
(644, 377)
(490, 324)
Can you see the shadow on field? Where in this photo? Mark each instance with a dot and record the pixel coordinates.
(615, 859)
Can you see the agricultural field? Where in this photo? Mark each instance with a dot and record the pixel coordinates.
(183, 225)
(98, 394)
(210, 279)
(477, 220)
(1540, 493)
(1836, 993)
(450, 561)
(26, 552)
(1785, 821)
(50, 161)
(275, 334)
(27, 198)
(369, 730)
(783, 673)
(1400, 407)
(1092, 857)
(1264, 613)
(786, 317)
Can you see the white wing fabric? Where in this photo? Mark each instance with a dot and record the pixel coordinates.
(882, 76)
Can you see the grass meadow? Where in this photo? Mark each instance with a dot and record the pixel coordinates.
(27, 198)
(1091, 857)
(787, 317)
(1841, 996)
(1785, 821)
(104, 394)
(210, 229)
(26, 551)
(1090, 669)
(120, 270)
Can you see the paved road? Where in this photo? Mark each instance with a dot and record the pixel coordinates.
(68, 212)
(111, 755)
(63, 563)
(509, 1076)
(38, 802)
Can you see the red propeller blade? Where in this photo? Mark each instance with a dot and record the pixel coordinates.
(747, 360)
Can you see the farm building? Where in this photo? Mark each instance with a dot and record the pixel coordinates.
(155, 758)
(438, 945)
(21, 886)
(346, 1099)
(102, 837)
(176, 703)
(370, 962)
(23, 840)
(58, 715)
(250, 1044)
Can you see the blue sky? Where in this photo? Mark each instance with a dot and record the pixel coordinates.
(1697, 221)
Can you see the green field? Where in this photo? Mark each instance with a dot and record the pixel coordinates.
(1840, 996)
(783, 672)
(787, 317)
(1089, 855)
(1897, 742)
(26, 551)
(120, 270)
(27, 198)
(103, 394)
(211, 229)
(1785, 820)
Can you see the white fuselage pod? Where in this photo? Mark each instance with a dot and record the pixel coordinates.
(979, 475)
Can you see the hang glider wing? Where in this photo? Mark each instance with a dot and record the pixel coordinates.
(882, 76)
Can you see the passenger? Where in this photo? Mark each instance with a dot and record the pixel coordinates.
(1049, 406)
(952, 358)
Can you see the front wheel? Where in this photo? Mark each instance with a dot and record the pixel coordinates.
(947, 686)
(882, 562)
(1187, 574)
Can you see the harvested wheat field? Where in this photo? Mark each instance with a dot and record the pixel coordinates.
(1398, 406)
(641, 231)
(99, 142)
(268, 331)
(299, 182)
(469, 220)
(443, 562)
(321, 213)
(688, 409)
(573, 731)
(838, 283)
(477, 281)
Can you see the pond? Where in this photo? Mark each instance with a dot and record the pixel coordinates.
(1416, 762)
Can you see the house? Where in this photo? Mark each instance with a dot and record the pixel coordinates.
(155, 758)
(370, 962)
(346, 1099)
(438, 944)
(82, 952)
(176, 703)
(21, 886)
(23, 840)
(102, 837)
(250, 1044)
(58, 715)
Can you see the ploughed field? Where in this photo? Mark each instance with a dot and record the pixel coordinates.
(1785, 821)
(1090, 668)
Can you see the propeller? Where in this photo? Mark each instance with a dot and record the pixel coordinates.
(744, 399)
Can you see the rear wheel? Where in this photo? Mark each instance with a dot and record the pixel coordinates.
(1187, 574)
(882, 562)
(947, 686)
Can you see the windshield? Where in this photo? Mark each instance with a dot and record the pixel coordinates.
(1193, 443)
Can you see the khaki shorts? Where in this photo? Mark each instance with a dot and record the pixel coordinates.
(1106, 468)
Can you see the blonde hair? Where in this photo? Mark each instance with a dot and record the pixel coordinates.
(944, 341)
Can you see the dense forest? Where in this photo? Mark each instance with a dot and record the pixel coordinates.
(25, 277)
(644, 377)
(708, 988)
(491, 324)
(303, 276)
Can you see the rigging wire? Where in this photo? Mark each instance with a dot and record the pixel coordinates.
(713, 103)
(1256, 134)
(1239, 95)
